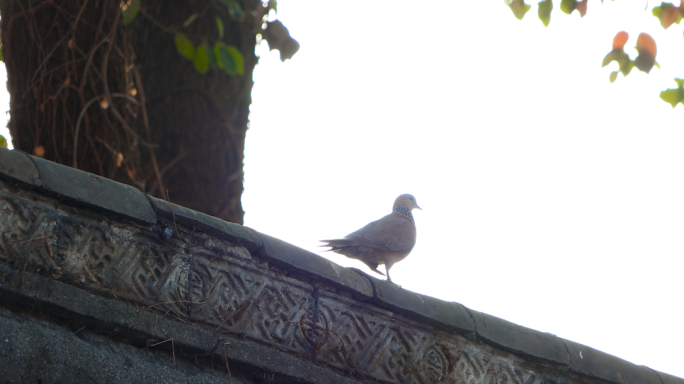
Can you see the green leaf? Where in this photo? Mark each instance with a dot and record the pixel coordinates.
(229, 59)
(674, 96)
(622, 59)
(671, 96)
(219, 26)
(213, 58)
(235, 10)
(626, 65)
(657, 11)
(184, 46)
(239, 59)
(519, 8)
(568, 6)
(233, 7)
(217, 53)
(609, 58)
(545, 7)
(201, 60)
(613, 76)
(131, 11)
(226, 59)
(3, 141)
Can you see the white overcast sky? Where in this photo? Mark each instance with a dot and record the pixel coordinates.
(552, 198)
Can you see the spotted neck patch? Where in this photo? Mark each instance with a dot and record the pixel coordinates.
(404, 212)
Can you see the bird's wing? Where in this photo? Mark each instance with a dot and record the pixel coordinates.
(391, 233)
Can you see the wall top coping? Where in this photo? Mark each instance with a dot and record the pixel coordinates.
(124, 202)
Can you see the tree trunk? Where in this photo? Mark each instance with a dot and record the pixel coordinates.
(70, 85)
(189, 136)
(198, 120)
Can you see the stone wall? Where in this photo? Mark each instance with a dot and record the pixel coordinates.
(101, 283)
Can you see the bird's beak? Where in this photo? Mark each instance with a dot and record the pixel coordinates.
(419, 207)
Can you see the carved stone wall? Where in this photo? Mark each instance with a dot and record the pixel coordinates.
(224, 293)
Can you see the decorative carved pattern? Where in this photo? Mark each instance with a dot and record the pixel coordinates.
(219, 285)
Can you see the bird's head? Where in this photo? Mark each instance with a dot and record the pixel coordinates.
(407, 201)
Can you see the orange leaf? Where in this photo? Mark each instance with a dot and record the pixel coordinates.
(619, 40)
(669, 16)
(582, 7)
(646, 44)
(646, 47)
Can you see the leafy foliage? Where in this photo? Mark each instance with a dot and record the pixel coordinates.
(219, 26)
(201, 60)
(667, 13)
(545, 8)
(229, 59)
(618, 55)
(674, 96)
(568, 6)
(184, 46)
(207, 55)
(3, 141)
(518, 7)
(221, 56)
(646, 47)
(234, 9)
(645, 61)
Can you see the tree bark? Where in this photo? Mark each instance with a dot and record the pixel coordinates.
(70, 85)
(198, 120)
(121, 102)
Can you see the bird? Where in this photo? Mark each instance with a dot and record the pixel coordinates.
(385, 241)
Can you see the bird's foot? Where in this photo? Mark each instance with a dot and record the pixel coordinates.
(376, 270)
(393, 283)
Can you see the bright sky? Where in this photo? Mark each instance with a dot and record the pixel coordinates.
(552, 198)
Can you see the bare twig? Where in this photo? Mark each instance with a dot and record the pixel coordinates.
(35, 238)
(173, 349)
(161, 342)
(173, 215)
(225, 359)
(146, 123)
(77, 331)
(47, 242)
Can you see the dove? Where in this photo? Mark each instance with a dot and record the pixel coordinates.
(385, 241)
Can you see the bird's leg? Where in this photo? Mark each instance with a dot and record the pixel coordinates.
(389, 279)
(373, 267)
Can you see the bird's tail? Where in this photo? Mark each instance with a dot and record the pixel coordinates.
(337, 244)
